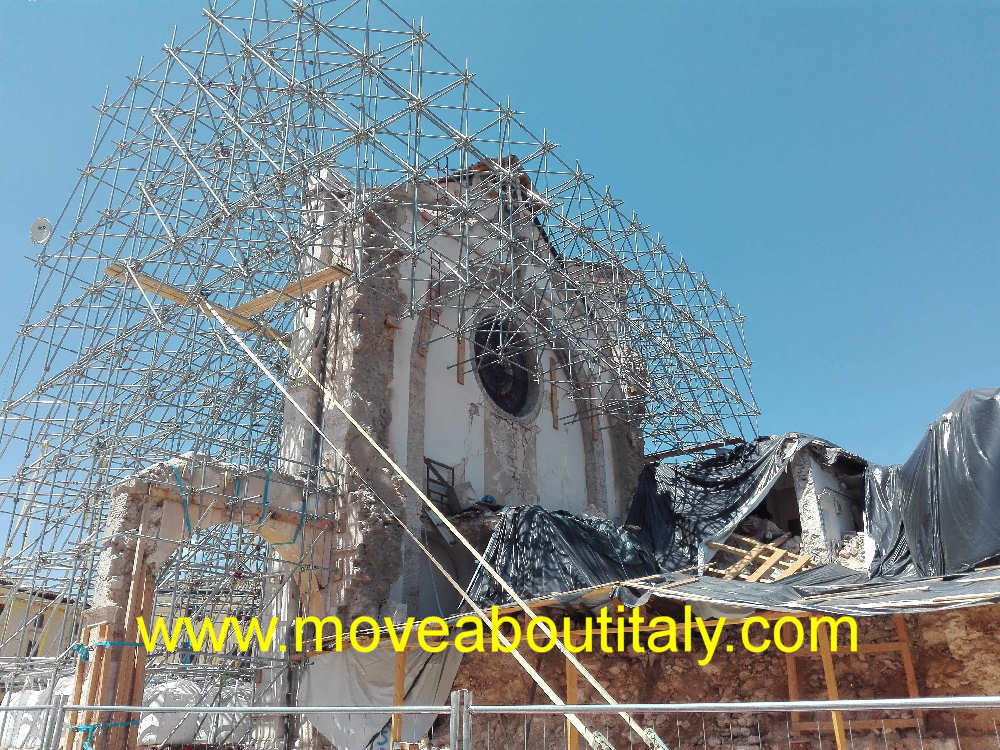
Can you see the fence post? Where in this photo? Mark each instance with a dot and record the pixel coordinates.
(54, 723)
(455, 719)
(466, 720)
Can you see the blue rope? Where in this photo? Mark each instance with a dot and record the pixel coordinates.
(298, 528)
(236, 493)
(184, 502)
(84, 653)
(116, 643)
(88, 741)
(263, 509)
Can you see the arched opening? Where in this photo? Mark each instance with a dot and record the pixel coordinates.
(505, 366)
(219, 572)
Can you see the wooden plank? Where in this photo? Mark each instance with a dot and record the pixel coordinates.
(795, 567)
(748, 557)
(126, 656)
(831, 688)
(572, 698)
(769, 563)
(553, 393)
(291, 291)
(78, 680)
(907, 655)
(792, 670)
(398, 695)
(139, 673)
(172, 293)
(93, 682)
(149, 284)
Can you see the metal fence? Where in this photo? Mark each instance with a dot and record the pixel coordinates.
(970, 722)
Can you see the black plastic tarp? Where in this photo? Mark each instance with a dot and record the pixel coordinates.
(937, 514)
(950, 487)
(539, 552)
(678, 508)
(884, 522)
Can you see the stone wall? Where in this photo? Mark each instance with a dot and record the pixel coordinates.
(955, 653)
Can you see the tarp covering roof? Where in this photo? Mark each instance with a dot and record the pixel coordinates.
(539, 551)
(679, 508)
(935, 515)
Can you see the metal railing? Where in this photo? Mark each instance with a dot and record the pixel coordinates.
(483, 727)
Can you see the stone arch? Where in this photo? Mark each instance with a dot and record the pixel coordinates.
(150, 516)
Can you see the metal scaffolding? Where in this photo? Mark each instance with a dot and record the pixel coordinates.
(202, 184)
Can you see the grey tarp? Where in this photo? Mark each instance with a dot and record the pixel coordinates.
(539, 551)
(352, 678)
(832, 589)
(939, 513)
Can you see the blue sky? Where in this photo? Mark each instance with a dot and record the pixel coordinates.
(833, 167)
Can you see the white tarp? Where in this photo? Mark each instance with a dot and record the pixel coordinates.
(24, 730)
(156, 728)
(351, 678)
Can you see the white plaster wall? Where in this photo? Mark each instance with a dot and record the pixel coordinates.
(454, 413)
(453, 416)
(562, 475)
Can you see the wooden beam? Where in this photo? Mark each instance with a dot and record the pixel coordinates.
(795, 567)
(398, 695)
(78, 680)
(792, 671)
(126, 657)
(907, 656)
(95, 672)
(769, 563)
(572, 698)
(831, 687)
(294, 290)
(139, 672)
(179, 296)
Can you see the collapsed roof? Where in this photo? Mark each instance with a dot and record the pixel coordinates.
(929, 522)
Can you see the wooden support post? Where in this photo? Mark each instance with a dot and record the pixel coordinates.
(793, 683)
(831, 687)
(907, 655)
(125, 656)
(139, 673)
(398, 695)
(460, 359)
(572, 697)
(95, 674)
(553, 393)
(78, 680)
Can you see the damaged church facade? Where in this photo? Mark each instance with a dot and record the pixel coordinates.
(329, 331)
